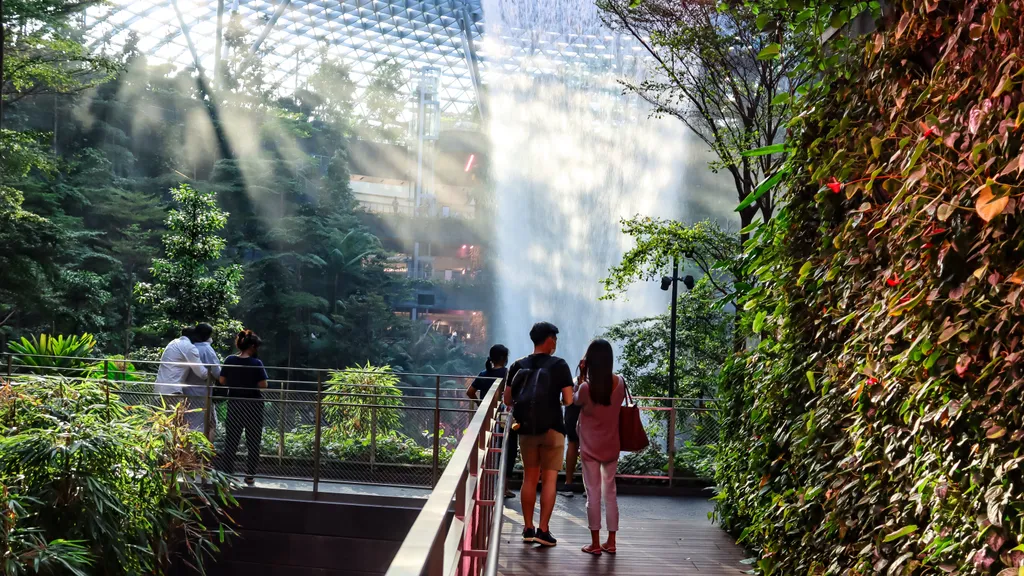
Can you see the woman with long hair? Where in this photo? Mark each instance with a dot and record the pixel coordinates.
(599, 394)
(244, 376)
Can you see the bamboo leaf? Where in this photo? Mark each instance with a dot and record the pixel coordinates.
(900, 533)
(765, 150)
(765, 185)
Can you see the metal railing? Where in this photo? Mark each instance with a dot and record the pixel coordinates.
(683, 434)
(463, 542)
(308, 426)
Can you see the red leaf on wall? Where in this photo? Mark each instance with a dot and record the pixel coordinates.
(893, 280)
(834, 185)
(974, 121)
(962, 363)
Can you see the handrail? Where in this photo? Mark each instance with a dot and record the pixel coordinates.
(424, 552)
(294, 368)
(494, 545)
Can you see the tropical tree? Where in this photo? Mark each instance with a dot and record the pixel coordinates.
(730, 84)
(330, 94)
(42, 53)
(383, 102)
(184, 290)
(703, 333)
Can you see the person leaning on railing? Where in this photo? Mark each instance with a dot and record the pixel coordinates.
(198, 388)
(244, 375)
(179, 362)
(495, 370)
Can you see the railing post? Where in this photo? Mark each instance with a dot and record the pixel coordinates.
(106, 384)
(14, 396)
(208, 408)
(437, 432)
(373, 441)
(282, 414)
(316, 440)
(671, 444)
(208, 426)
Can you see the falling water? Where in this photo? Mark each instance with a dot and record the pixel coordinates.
(571, 156)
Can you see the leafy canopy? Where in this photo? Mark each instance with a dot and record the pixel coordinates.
(709, 70)
(703, 338)
(658, 242)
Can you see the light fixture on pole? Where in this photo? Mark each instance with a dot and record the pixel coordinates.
(666, 283)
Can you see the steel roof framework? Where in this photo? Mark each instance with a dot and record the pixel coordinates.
(444, 34)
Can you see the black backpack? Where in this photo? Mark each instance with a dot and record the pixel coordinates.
(533, 407)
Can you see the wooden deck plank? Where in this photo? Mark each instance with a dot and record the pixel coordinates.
(657, 536)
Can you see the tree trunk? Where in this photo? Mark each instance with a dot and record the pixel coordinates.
(746, 218)
(3, 40)
(128, 316)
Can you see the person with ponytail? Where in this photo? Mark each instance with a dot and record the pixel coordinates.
(495, 369)
(244, 376)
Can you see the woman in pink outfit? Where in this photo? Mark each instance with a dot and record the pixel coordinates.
(599, 393)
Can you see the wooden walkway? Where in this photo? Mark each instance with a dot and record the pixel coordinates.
(658, 536)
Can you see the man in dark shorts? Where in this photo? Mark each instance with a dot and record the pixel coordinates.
(540, 425)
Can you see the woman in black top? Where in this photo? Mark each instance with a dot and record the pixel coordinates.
(497, 361)
(244, 376)
(496, 367)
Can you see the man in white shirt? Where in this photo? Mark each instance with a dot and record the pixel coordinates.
(179, 360)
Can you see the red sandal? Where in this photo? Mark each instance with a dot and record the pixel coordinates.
(591, 550)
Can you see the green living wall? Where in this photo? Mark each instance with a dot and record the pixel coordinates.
(877, 426)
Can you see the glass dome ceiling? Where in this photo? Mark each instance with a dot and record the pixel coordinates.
(291, 35)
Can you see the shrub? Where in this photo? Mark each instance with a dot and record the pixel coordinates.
(875, 428)
(52, 355)
(118, 488)
(115, 369)
(392, 447)
(353, 397)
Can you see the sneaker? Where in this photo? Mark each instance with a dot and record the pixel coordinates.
(529, 535)
(545, 538)
(509, 494)
(249, 480)
(568, 491)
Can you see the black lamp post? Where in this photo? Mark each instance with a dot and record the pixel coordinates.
(673, 282)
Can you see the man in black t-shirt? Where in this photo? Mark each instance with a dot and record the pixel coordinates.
(542, 451)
